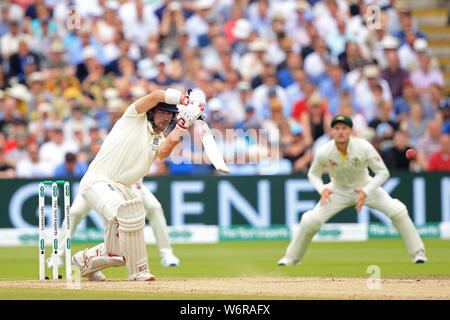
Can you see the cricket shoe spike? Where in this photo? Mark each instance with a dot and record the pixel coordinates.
(420, 257)
(170, 260)
(49, 262)
(79, 261)
(285, 261)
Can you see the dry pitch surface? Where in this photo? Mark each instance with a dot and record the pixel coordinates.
(424, 288)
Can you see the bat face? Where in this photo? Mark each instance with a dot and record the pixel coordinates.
(211, 149)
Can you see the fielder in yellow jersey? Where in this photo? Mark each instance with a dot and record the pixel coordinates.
(347, 160)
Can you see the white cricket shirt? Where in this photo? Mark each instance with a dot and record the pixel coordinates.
(127, 152)
(350, 171)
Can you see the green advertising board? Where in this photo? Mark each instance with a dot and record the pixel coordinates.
(226, 201)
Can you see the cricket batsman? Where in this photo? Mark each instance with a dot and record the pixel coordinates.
(153, 212)
(347, 159)
(124, 158)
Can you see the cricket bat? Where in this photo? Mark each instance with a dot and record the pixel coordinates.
(211, 149)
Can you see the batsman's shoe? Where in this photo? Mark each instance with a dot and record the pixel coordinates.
(170, 260)
(78, 261)
(285, 261)
(145, 276)
(420, 257)
(49, 262)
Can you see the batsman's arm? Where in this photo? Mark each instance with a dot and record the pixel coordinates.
(315, 173)
(170, 143)
(169, 96)
(376, 164)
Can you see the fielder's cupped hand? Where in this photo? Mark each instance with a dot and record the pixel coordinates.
(325, 197)
(360, 199)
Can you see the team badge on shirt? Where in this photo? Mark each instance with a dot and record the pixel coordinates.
(355, 161)
(155, 144)
(332, 163)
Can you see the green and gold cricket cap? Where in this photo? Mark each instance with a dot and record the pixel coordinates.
(342, 118)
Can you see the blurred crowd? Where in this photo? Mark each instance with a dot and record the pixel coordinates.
(274, 74)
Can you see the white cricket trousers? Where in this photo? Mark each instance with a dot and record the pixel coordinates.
(312, 220)
(153, 211)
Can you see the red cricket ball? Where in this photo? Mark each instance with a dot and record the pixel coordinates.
(411, 154)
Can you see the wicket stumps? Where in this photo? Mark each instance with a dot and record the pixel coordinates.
(55, 244)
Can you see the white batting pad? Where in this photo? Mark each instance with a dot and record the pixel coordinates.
(131, 217)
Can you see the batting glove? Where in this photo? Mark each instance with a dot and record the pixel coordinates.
(188, 114)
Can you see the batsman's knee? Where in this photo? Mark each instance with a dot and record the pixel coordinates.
(131, 215)
(310, 223)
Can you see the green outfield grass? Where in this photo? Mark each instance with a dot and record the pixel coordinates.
(240, 259)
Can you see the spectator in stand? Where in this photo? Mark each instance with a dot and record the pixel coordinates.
(31, 166)
(235, 97)
(52, 152)
(10, 116)
(444, 116)
(196, 25)
(440, 161)
(394, 157)
(415, 126)
(77, 119)
(163, 78)
(171, 28)
(406, 21)
(394, 74)
(57, 58)
(286, 69)
(295, 91)
(314, 63)
(352, 57)
(268, 69)
(336, 41)
(18, 151)
(333, 87)
(296, 27)
(251, 64)
(425, 76)
(436, 100)
(402, 104)
(428, 144)
(38, 92)
(301, 105)
(42, 21)
(316, 121)
(70, 168)
(259, 16)
(298, 151)
(270, 89)
(9, 43)
(4, 20)
(89, 150)
(6, 170)
(409, 54)
(366, 92)
(19, 61)
(384, 118)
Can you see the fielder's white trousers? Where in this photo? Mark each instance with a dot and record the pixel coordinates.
(312, 220)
